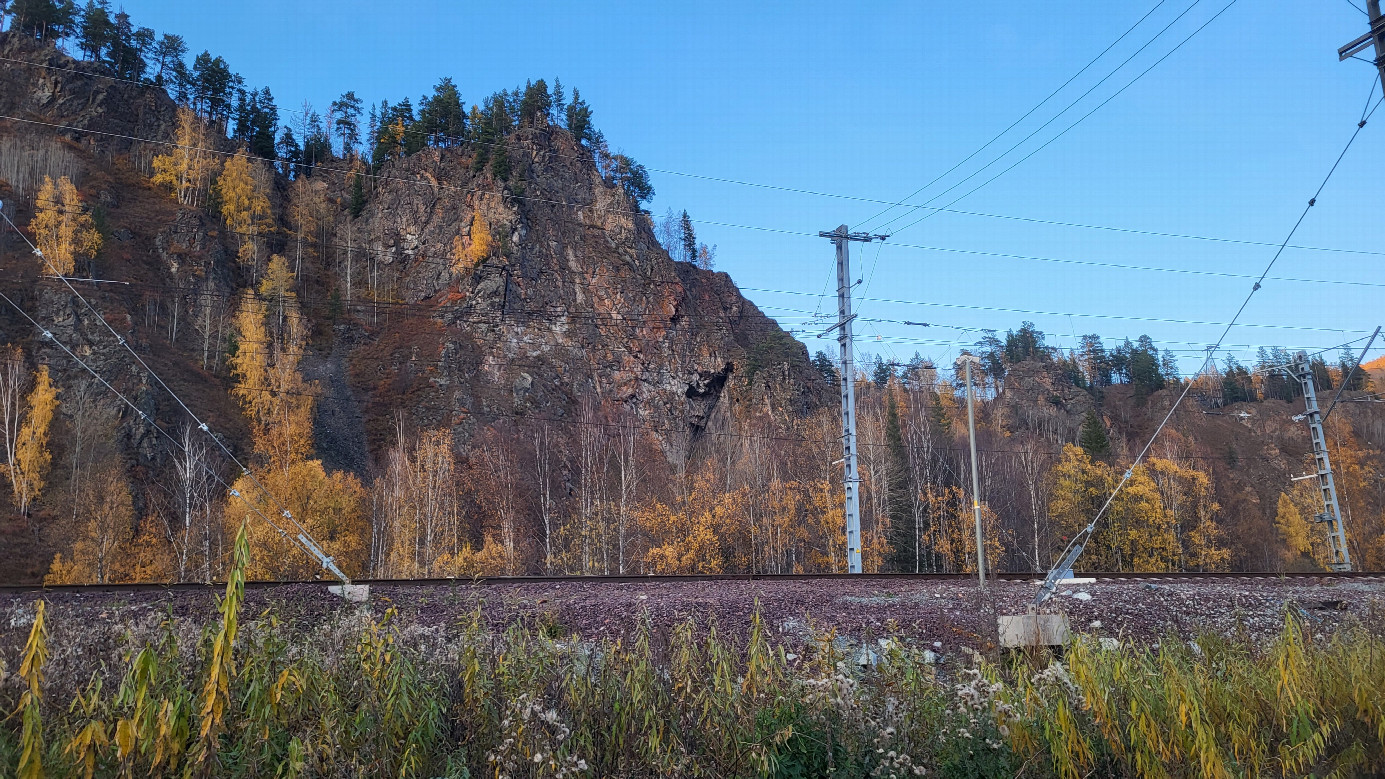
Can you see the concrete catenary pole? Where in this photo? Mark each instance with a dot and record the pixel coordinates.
(967, 360)
(846, 365)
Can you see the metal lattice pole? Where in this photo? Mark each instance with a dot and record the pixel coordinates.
(1331, 514)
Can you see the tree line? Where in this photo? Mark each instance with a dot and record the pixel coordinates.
(250, 117)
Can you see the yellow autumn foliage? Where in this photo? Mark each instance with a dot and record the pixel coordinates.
(31, 454)
(1138, 531)
(331, 506)
(186, 169)
(63, 231)
(467, 255)
(244, 198)
(272, 392)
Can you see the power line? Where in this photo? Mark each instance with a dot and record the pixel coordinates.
(1080, 120)
(715, 223)
(468, 412)
(48, 335)
(1027, 114)
(304, 536)
(1070, 552)
(381, 253)
(617, 318)
(1066, 108)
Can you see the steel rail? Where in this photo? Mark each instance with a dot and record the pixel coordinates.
(491, 581)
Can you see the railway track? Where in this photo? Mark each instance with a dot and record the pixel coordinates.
(689, 578)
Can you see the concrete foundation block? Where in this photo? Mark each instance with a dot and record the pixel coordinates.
(355, 593)
(1033, 630)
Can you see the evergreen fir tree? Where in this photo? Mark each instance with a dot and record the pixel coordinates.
(559, 112)
(689, 239)
(579, 118)
(826, 366)
(1093, 439)
(904, 541)
(938, 418)
(289, 152)
(500, 162)
(357, 196)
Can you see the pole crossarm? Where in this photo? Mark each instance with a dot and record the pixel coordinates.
(837, 235)
(1376, 38)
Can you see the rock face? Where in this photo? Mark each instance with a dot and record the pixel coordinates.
(40, 83)
(575, 317)
(576, 310)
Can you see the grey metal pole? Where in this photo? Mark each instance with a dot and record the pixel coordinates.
(1374, 37)
(975, 477)
(850, 479)
(1331, 514)
(1378, 27)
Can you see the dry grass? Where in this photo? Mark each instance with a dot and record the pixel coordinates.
(536, 701)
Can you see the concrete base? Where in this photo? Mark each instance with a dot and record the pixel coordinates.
(355, 593)
(1033, 630)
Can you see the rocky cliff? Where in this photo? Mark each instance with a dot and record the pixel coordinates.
(576, 316)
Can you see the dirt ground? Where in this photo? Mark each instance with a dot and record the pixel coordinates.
(953, 614)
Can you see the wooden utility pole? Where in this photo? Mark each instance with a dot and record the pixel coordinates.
(1375, 37)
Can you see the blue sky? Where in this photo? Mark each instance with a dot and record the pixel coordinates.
(1227, 138)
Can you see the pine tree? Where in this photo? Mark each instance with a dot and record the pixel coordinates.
(442, 117)
(1093, 437)
(535, 104)
(579, 118)
(95, 31)
(938, 418)
(633, 180)
(262, 121)
(903, 541)
(689, 239)
(500, 162)
(168, 52)
(559, 112)
(125, 54)
(347, 125)
(826, 366)
(46, 20)
(290, 153)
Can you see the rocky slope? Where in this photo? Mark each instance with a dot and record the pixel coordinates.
(576, 318)
(577, 306)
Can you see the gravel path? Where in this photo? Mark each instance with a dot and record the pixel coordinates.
(953, 613)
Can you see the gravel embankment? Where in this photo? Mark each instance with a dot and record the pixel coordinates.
(954, 614)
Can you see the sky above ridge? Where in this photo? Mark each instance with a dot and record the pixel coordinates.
(1227, 138)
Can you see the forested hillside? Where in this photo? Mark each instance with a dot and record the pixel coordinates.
(448, 340)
